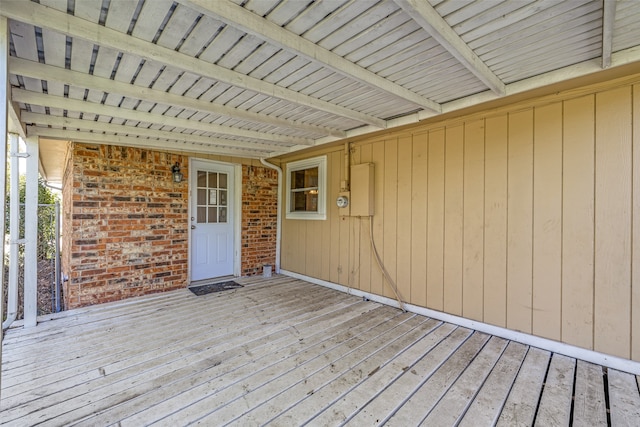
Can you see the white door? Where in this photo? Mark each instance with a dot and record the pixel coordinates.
(211, 220)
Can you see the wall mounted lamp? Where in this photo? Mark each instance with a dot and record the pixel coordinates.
(177, 175)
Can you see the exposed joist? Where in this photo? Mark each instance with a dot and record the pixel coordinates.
(45, 17)
(40, 71)
(429, 19)
(15, 124)
(608, 22)
(250, 23)
(91, 125)
(34, 98)
(180, 146)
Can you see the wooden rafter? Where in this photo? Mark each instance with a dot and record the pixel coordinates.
(44, 17)
(97, 126)
(608, 21)
(28, 97)
(37, 70)
(257, 26)
(173, 144)
(429, 19)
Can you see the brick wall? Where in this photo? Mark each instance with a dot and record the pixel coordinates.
(259, 218)
(126, 222)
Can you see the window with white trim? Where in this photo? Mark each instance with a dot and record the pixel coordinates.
(306, 189)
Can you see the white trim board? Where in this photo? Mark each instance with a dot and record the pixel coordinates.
(592, 356)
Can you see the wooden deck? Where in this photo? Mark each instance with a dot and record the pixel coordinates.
(281, 351)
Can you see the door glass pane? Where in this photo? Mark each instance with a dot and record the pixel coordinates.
(202, 215)
(202, 196)
(213, 180)
(211, 197)
(202, 179)
(213, 217)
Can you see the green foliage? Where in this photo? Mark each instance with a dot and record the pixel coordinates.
(46, 217)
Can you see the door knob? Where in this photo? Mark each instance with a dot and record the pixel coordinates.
(193, 227)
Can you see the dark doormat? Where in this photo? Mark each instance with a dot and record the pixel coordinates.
(214, 287)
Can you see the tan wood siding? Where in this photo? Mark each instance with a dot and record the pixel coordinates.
(495, 222)
(453, 222)
(421, 291)
(525, 218)
(635, 262)
(473, 212)
(547, 221)
(613, 221)
(577, 221)
(435, 219)
(520, 221)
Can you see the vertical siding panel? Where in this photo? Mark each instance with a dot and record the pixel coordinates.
(390, 233)
(364, 273)
(613, 222)
(335, 161)
(473, 249)
(419, 195)
(547, 221)
(379, 161)
(314, 248)
(354, 234)
(344, 226)
(404, 206)
(454, 182)
(289, 244)
(303, 244)
(520, 221)
(635, 283)
(435, 221)
(327, 225)
(495, 222)
(577, 222)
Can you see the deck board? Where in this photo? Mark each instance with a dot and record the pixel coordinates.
(282, 351)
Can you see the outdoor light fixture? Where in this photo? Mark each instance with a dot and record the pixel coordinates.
(177, 175)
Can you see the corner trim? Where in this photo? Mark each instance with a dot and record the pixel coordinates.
(592, 356)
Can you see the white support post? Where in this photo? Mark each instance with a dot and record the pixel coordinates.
(31, 235)
(4, 107)
(14, 231)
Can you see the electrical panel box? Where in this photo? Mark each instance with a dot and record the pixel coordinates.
(362, 180)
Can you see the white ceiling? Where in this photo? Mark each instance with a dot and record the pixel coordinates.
(258, 78)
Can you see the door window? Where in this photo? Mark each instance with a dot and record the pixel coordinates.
(212, 194)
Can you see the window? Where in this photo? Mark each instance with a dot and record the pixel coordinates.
(306, 189)
(212, 197)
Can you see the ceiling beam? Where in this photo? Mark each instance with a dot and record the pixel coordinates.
(95, 126)
(45, 17)
(429, 19)
(28, 97)
(15, 124)
(608, 22)
(247, 21)
(181, 146)
(40, 71)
